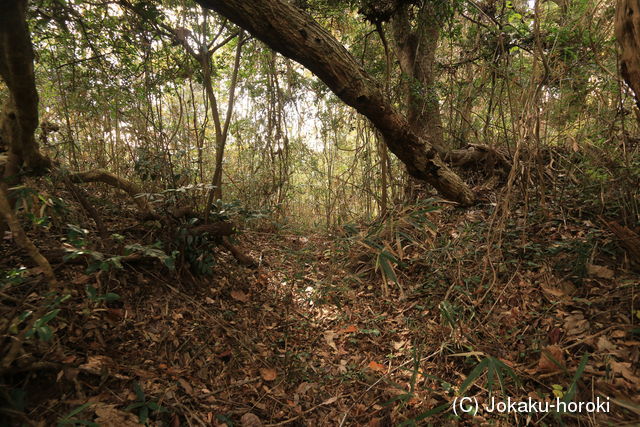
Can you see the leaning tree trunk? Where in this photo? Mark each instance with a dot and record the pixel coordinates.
(293, 33)
(627, 28)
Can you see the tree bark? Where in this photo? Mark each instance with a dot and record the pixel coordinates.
(293, 33)
(627, 30)
(22, 240)
(128, 187)
(416, 51)
(19, 118)
(221, 138)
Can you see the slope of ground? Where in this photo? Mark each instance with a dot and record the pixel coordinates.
(377, 325)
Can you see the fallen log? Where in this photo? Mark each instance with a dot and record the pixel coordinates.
(628, 239)
(215, 229)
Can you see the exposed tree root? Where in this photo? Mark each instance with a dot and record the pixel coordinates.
(478, 155)
(219, 230)
(22, 240)
(128, 187)
(241, 257)
(78, 193)
(216, 229)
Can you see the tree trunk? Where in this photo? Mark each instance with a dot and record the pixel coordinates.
(19, 118)
(416, 51)
(222, 140)
(293, 33)
(384, 173)
(627, 28)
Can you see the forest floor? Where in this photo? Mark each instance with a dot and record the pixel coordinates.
(544, 307)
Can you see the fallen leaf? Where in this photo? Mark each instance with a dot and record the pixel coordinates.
(186, 386)
(268, 374)
(603, 344)
(375, 366)
(330, 400)
(624, 369)
(304, 387)
(599, 271)
(576, 324)
(81, 279)
(250, 420)
(618, 333)
(559, 293)
(239, 296)
(397, 345)
(109, 416)
(349, 329)
(328, 337)
(96, 364)
(551, 359)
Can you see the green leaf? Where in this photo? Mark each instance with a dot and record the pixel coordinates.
(93, 267)
(24, 315)
(143, 415)
(79, 409)
(430, 412)
(91, 291)
(170, 262)
(45, 333)
(571, 391)
(387, 269)
(46, 318)
(139, 393)
(389, 256)
(111, 296)
(135, 406)
(475, 373)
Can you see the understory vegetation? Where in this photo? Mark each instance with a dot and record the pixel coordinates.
(318, 212)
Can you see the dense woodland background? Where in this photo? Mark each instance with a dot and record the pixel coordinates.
(318, 212)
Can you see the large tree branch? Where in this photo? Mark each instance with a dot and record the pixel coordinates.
(128, 187)
(295, 34)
